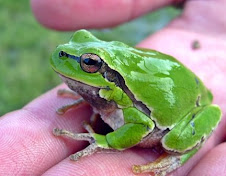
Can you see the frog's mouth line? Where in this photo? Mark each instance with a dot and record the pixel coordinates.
(66, 79)
(78, 86)
(91, 93)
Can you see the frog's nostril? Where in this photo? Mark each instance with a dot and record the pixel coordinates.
(62, 53)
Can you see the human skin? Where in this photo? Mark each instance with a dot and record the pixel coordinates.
(28, 146)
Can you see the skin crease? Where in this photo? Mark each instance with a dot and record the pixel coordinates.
(27, 144)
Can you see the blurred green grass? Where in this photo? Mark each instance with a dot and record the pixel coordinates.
(26, 46)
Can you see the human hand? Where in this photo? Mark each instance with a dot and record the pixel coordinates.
(27, 144)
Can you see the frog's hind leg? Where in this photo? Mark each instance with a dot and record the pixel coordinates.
(160, 167)
(184, 140)
(165, 164)
(192, 130)
(92, 148)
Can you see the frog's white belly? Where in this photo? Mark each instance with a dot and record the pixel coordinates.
(114, 119)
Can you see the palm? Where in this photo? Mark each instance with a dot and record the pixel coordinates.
(28, 146)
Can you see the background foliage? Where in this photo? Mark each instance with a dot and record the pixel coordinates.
(26, 46)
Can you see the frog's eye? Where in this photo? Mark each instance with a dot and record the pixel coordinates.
(90, 63)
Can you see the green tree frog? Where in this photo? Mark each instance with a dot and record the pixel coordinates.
(145, 96)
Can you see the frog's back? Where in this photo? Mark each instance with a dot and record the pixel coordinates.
(163, 84)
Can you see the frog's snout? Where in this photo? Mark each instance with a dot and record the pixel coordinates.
(63, 54)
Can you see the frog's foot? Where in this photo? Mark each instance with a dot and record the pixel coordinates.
(76, 136)
(97, 142)
(75, 104)
(163, 165)
(92, 148)
(67, 93)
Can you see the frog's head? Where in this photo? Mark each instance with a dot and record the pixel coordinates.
(86, 58)
(88, 61)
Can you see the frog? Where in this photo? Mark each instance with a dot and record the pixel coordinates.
(148, 98)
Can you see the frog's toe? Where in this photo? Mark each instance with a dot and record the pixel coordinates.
(76, 136)
(89, 150)
(65, 108)
(162, 166)
(57, 132)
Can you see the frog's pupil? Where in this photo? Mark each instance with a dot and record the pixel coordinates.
(89, 61)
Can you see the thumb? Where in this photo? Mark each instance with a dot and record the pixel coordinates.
(72, 15)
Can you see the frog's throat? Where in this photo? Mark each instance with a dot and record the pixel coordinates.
(90, 94)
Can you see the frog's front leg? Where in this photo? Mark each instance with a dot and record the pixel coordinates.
(68, 93)
(128, 135)
(75, 104)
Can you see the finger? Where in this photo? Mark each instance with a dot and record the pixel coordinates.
(204, 17)
(161, 45)
(72, 15)
(213, 163)
(119, 163)
(28, 146)
(114, 164)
